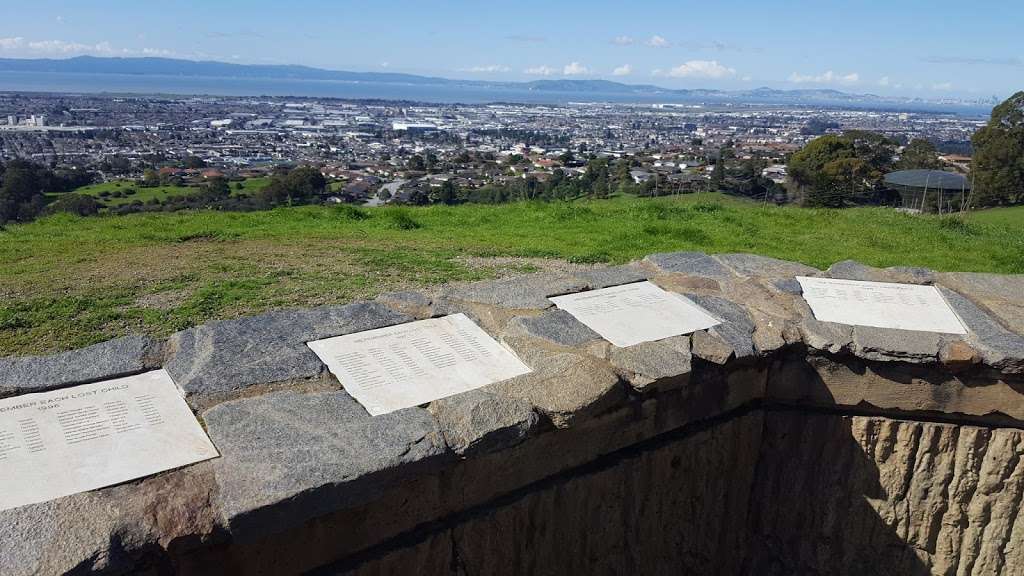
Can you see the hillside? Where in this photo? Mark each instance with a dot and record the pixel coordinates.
(67, 282)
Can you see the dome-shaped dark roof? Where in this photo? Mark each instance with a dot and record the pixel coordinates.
(930, 179)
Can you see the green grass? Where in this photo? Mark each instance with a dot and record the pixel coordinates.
(67, 282)
(141, 194)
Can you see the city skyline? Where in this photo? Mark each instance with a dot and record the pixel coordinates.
(907, 50)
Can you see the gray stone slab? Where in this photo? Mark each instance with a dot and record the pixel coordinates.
(787, 285)
(107, 531)
(711, 347)
(110, 359)
(999, 348)
(526, 292)
(663, 364)
(853, 270)
(557, 326)
(287, 458)
(478, 422)
(736, 329)
(824, 336)
(597, 278)
(691, 264)
(765, 267)
(884, 344)
(1003, 296)
(223, 356)
(564, 387)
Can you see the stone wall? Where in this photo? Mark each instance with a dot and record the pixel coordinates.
(769, 444)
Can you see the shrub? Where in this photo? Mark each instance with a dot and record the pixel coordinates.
(401, 220)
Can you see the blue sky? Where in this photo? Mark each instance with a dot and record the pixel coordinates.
(933, 49)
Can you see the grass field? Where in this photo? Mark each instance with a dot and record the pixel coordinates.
(67, 282)
(159, 192)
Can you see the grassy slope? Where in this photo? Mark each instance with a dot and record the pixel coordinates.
(159, 192)
(67, 282)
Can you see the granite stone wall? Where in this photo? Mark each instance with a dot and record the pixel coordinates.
(770, 444)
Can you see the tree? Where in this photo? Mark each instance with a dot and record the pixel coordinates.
(998, 163)
(194, 162)
(834, 170)
(448, 193)
(919, 154)
(150, 178)
(416, 163)
(300, 185)
(215, 189)
(21, 194)
(80, 204)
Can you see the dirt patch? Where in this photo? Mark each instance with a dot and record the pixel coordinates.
(163, 300)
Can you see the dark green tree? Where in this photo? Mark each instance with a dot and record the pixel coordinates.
(21, 194)
(919, 154)
(998, 163)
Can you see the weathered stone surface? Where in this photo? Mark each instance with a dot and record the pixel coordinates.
(957, 354)
(917, 498)
(899, 388)
(564, 387)
(853, 270)
(998, 347)
(287, 458)
(900, 345)
(824, 336)
(998, 294)
(662, 511)
(663, 364)
(765, 267)
(115, 530)
(787, 285)
(526, 292)
(711, 347)
(596, 278)
(557, 326)
(691, 264)
(477, 422)
(228, 355)
(736, 328)
(414, 304)
(110, 359)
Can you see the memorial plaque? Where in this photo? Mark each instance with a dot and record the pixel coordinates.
(633, 313)
(398, 367)
(58, 443)
(881, 305)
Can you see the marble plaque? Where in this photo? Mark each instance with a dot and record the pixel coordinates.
(58, 443)
(881, 305)
(398, 367)
(633, 313)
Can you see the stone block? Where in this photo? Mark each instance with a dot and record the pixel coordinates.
(287, 458)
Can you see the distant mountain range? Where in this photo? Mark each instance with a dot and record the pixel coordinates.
(210, 69)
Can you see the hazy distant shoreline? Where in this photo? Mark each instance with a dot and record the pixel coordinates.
(97, 83)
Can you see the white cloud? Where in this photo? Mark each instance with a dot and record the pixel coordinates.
(623, 41)
(698, 69)
(11, 43)
(540, 71)
(829, 77)
(485, 69)
(746, 78)
(575, 69)
(883, 81)
(942, 86)
(66, 48)
(624, 70)
(657, 42)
